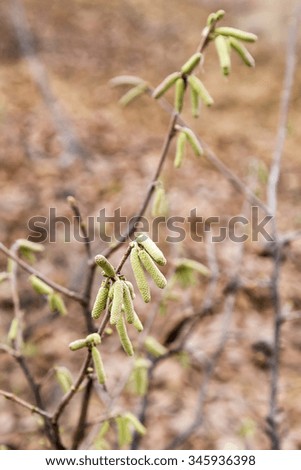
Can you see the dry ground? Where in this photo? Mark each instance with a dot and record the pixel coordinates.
(82, 44)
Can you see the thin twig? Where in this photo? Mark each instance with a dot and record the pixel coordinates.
(25, 404)
(69, 293)
(272, 197)
(80, 428)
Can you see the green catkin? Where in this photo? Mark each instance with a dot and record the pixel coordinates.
(159, 205)
(131, 288)
(152, 249)
(194, 265)
(193, 141)
(30, 246)
(132, 94)
(139, 275)
(104, 429)
(222, 49)
(179, 94)
(57, 304)
(39, 286)
(123, 336)
(100, 301)
(64, 378)
(139, 428)
(236, 33)
(111, 292)
(191, 63)
(116, 302)
(198, 87)
(195, 103)
(167, 83)
(121, 80)
(98, 365)
(106, 266)
(128, 304)
(137, 323)
(93, 339)
(242, 51)
(155, 348)
(180, 149)
(140, 376)
(123, 431)
(151, 268)
(13, 330)
(78, 344)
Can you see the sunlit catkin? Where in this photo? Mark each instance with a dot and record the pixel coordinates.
(197, 86)
(77, 344)
(223, 54)
(180, 149)
(152, 249)
(57, 304)
(167, 83)
(151, 268)
(132, 94)
(98, 365)
(137, 323)
(179, 94)
(100, 301)
(123, 336)
(123, 431)
(128, 304)
(236, 33)
(193, 141)
(195, 103)
(159, 204)
(191, 63)
(116, 302)
(139, 275)
(106, 266)
(131, 288)
(153, 346)
(242, 51)
(39, 286)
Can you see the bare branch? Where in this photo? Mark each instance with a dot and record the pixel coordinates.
(25, 404)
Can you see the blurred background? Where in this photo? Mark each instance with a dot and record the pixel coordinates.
(63, 133)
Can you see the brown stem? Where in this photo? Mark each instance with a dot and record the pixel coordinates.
(69, 293)
(80, 428)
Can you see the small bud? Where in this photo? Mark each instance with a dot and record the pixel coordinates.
(223, 54)
(132, 94)
(13, 330)
(98, 365)
(100, 301)
(192, 139)
(242, 52)
(154, 347)
(179, 94)
(152, 269)
(57, 304)
(180, 149)
(139, 428)
(198, 87)
(123, 336)
(152, 249)
(123, 430)
(93, 339)
(128, 304)
(64, 378)
(106, 266)
(77, 344)
(137, 323)
(40, 286)
(117, 302)
(167, 83)
(191, 63)
(236, 33)
(139, 275)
